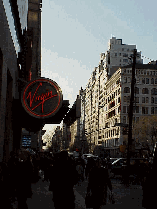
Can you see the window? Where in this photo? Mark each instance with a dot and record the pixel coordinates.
(152, 110)
(118, 99)
(125, 60)
(143, 80)
(152, 100)
(145, 91)
(124, 119)
(129, 80)
(154, 91)
(122, 49)
(124, 109)
(119, 54)
(137, 109)
(147, 99)
(134, 109)
(147, 80)
(155, 80)
(126, 90)
(152, 80)
(115, 54)
(137, 80)
(155, 100)
(120, 60)
(143, 99)
(144, 110)
(137, 99)
(125, 79)
(155, 110)
(136, 90)
(127, 50)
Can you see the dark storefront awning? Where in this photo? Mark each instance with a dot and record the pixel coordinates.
(74, 113)
(33, 124)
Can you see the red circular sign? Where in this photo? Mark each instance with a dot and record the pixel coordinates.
(42, 98)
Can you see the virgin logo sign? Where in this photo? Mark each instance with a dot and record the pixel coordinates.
(42, 98)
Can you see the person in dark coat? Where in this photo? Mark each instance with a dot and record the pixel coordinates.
(7, 195)
(63, 179)
(89, 166)
(150, 185)
(24, 190)
(12, 174)
(97, 184)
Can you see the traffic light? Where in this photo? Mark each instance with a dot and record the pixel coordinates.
(125, 130)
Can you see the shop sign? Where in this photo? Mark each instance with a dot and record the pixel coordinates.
(42, 98)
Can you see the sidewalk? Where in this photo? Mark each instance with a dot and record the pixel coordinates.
(124, 196)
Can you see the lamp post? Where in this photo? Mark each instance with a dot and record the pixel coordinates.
(131, 115)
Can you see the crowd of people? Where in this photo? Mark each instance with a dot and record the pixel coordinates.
(63, 172)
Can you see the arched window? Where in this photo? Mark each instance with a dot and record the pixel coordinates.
(126, 90)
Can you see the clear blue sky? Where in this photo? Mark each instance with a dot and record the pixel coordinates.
(74, 33)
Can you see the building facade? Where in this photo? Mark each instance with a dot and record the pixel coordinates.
(111, 104)
(19, 48)
(118, 54)
(13, 24)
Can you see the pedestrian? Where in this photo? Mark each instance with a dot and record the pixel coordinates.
(150, 185)
(7, 195)
(12, 175)
(89, 166)
(97, 185)
(23, 188)
(79, 169)
(63, 178)
(137, 172)
(35, 176)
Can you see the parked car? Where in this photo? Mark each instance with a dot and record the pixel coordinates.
(118, 164)
(86, 157)
(32, 152)
(113, 159)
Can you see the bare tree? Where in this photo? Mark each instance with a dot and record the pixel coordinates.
(145, 131)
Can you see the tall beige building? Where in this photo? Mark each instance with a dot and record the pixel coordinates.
(118, 54)
(109, 104)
